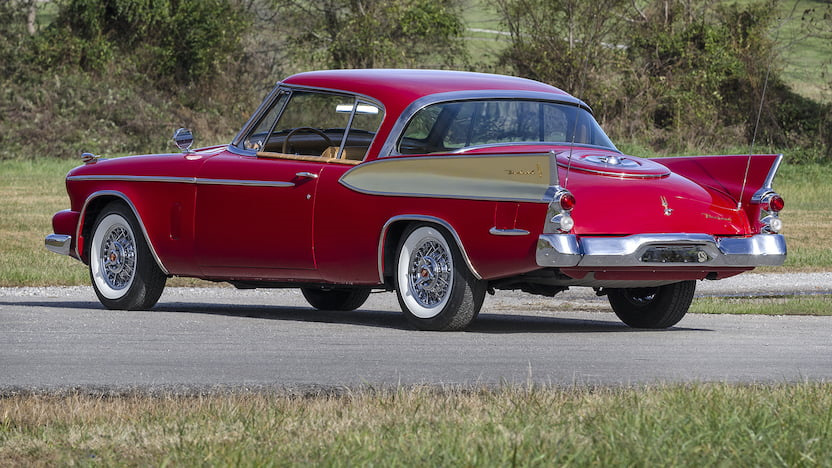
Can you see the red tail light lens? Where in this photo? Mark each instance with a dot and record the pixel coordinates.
(567, 201)
(773, 203)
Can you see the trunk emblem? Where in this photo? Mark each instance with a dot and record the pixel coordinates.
(667, 210)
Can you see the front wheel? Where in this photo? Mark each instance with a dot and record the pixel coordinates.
(658, 307)
(123, 272)
(336, 299)
(435, 288)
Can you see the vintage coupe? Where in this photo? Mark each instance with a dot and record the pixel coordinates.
(439, 185)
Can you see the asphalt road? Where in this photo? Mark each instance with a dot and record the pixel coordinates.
(219, 338)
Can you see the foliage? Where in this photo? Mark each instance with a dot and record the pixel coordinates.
(182, 40)
(567, 43)
(374, 33)
(679, 74)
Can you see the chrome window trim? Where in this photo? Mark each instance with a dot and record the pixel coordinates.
(389, 147)
(533, 143)
(124, 198)
(427, 219)
(568, 250)
(255, 116)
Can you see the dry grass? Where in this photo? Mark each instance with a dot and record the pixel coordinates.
(698, 425)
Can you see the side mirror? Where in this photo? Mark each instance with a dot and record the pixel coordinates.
(183, 138)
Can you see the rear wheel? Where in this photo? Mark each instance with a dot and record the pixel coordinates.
(336, 299)
(123, 272)
(658, 307)
(436, 290)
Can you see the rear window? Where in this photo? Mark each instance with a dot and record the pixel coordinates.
(453, 126)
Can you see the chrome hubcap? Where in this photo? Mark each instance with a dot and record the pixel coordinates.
(118, 257)
(430, 273)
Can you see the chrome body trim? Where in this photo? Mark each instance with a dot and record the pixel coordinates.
(427, 219)
(568, 250)
(245, 183)
(628, 175)
(183, 180)
(130, 178)
(388, 149)
(494, 231)
(114, 193)
(58, 243)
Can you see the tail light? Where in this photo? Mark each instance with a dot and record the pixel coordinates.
(772, 203)
(566, 201)
(559, 215)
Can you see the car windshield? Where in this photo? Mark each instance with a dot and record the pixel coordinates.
(454, 126)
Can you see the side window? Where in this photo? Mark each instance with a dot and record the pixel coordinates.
(310, 123)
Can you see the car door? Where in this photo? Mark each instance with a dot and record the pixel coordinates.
(254, 216)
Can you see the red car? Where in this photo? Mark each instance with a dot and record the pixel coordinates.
(439, 185)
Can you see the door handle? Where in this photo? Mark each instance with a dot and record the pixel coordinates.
(307, 175)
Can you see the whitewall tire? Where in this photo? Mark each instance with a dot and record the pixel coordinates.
(123, 272)
(436, 290)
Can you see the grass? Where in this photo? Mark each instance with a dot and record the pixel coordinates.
(32, 190)
(820, 305)
(694, 425)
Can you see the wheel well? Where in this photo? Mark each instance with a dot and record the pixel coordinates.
(91, 211)
(391, 241)
(396, 229)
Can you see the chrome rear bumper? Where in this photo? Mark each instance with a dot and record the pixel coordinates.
(58, 243)
(660, 250)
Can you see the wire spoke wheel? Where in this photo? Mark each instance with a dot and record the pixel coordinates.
(431, 273)
(118, 257)
(123, 271)
(436, 290)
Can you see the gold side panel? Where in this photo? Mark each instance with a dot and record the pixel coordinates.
(488, 177)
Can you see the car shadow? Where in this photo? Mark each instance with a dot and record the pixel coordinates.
(489, 323)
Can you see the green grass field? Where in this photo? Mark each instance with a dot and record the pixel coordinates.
(691, 425)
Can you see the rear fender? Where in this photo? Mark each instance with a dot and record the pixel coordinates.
(727, 174)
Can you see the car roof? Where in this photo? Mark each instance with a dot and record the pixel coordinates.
(399, 87)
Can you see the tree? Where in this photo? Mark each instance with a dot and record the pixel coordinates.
(373, 33)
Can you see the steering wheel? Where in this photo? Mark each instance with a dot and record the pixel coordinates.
(304, 129)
